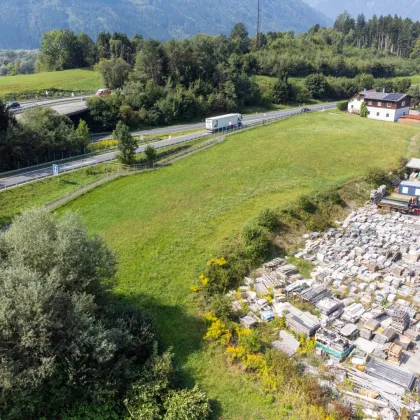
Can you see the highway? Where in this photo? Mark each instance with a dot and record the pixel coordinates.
(248, 119)
(36, 174)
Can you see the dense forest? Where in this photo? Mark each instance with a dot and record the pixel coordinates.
(17, 62)
(159, 83)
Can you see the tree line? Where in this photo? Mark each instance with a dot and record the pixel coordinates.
(40, 136)
(391, 34)
(158, 83)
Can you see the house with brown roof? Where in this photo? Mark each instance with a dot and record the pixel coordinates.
(381, 105)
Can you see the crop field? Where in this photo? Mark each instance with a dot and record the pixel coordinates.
(164, 224)
(69, 80)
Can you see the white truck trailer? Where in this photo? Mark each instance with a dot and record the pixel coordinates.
(224, 122)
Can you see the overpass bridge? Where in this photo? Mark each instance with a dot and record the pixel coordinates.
(64, 106)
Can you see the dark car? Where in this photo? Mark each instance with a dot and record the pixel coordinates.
(303, 110)
(12, 105)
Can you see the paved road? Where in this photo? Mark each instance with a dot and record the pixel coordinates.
(248, 119)
(47, 172)
(68, 106)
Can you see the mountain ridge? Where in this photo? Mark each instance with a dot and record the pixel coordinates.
(22, 23)
(332, 8)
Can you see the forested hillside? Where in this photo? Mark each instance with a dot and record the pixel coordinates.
(405, 8)
(22, 23)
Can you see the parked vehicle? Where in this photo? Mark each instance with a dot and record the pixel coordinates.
(224, 122)
(399, 203)
(12, 105)
(303, 110)
(103, 92)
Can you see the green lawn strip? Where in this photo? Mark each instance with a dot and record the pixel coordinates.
(164, 224)
(68, 80)
(173, 134)
(48, 190)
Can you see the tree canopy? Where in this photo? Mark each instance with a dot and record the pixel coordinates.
(62, 344)
(68, 349)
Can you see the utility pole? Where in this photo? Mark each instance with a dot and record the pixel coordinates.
(258, 23)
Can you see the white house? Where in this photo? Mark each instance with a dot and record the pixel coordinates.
(381, 105)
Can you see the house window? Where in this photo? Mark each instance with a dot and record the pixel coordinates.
(377, 114)
(403, 103)
(370, 103)
(368, 112)
(387, 115)
(352, 106)
(417, 192)
(379, 103)
(405, 190)
(389, 104)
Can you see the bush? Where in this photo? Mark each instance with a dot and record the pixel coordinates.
(268, 218)
(363, 110)
(257, 241)
(317, 85)
(250, 341)
(221, 307)
(187, 404)
(307, 205)
(342, 105)
(377, 177)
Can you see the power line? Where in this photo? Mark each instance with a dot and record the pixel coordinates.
(258, 23)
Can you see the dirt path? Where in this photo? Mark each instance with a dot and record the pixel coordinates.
(114, 176)
(82, 190)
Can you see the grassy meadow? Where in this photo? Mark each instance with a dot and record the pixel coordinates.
(77, 80)
(164, 224)
(48, 190)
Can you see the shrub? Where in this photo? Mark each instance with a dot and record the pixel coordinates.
(250, 341)
(268, 218)
(221, 307)
(377, 177)
(363, 110)
(317, 84)
(307, 205)
(256, 240)
(187, 404)
(342, 105)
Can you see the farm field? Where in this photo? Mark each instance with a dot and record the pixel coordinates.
(77, 80)
(164, 224)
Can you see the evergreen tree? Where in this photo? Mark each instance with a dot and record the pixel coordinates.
(363, 110)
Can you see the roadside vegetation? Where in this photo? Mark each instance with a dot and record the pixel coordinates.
(46, 191)
(50, 190)
(40, 136)
(198, 206)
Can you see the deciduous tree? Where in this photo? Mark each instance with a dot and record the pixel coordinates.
(62, 342)
(114, 72)
(127, 144)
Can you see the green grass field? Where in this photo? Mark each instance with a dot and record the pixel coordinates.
(164, 224)
(77, 80)
(48, 190)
